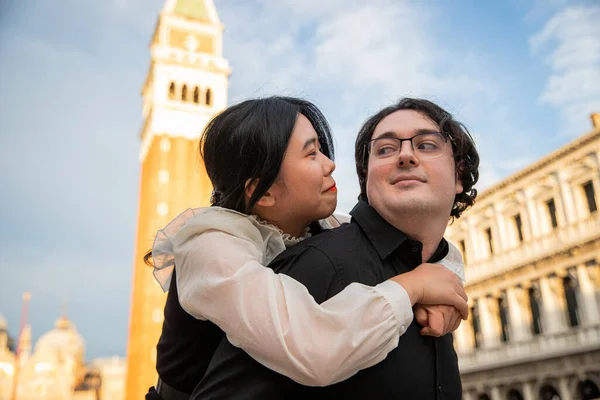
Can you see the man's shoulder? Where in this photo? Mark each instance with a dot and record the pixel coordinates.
(331, 243)
(330, 261)
(327, 252)
(332, 240)
(315, 262)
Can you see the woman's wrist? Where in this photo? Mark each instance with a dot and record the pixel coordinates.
(404, 280)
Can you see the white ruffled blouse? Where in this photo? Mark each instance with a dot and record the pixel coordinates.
(221, 276)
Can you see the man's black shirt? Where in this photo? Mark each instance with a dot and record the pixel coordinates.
(368, 250)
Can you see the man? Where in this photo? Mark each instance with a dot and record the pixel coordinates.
(416, 167)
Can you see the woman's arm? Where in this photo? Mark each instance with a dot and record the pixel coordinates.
(275, 319)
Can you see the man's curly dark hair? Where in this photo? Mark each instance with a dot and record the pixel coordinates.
(466, 157)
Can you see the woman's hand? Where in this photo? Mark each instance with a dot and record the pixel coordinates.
(434, 284)
(437, 320)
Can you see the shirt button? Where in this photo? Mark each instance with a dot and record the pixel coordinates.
(403, 328)
(440, 388)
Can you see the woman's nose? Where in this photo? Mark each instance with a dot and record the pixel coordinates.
(329, 166)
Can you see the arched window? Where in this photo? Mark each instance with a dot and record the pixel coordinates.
(477, 334)
(172, 91)
(571, 287)
(514, 394)
(504, 317)
(588, 390)
(547, 392)
(590, 196)
(535, 307)
(196, 95)
(184, 93)
(208, 97)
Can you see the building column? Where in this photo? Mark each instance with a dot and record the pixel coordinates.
(528, 392)
(588, 295)
(564, 390)
(476, 252)
(519, 319)
(495, 393)
(464, 337)
(535, 230)
(553, 310)
(501, 241)
(468, 395)
(567, 201)
(489, 321)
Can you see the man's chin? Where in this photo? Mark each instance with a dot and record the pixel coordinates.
(407, 204)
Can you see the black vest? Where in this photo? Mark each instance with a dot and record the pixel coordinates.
(186, 344)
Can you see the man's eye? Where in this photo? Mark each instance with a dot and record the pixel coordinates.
(385, 150)
(428, 146)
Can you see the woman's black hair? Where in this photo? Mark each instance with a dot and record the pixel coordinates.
(246, 144)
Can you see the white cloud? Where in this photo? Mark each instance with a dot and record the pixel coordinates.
(572, 39)
(374, 46)
(387, 46)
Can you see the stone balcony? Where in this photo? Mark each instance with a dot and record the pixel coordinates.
(559, 240)
(573, 340)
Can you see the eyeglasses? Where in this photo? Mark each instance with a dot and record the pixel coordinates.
(424, 145)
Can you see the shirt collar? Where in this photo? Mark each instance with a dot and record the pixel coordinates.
(440, 252)
(384, 237)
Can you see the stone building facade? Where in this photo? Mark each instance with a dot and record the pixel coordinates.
(531, 246)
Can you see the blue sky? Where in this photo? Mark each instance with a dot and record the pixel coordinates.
(522, 75)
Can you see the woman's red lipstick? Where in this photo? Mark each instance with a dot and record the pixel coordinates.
(332, 189)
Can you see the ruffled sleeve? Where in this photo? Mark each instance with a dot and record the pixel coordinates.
(192, 222)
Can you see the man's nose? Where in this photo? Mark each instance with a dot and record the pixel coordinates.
(406, 156)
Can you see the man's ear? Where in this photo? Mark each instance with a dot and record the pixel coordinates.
(266, 200)
(459, 168)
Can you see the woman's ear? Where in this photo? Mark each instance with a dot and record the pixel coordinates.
(266, 200)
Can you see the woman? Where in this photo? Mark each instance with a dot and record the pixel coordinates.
(270, 164)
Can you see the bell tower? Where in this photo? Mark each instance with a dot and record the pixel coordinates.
(185, 87)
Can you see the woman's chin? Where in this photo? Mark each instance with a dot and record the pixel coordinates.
(329, 209)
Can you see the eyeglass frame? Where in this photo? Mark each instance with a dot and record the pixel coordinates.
(444, 135)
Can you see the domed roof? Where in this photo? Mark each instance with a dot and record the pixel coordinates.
(62, 341)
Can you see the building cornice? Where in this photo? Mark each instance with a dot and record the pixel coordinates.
(541, 163)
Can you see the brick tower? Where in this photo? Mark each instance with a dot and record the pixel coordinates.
(186, 85)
